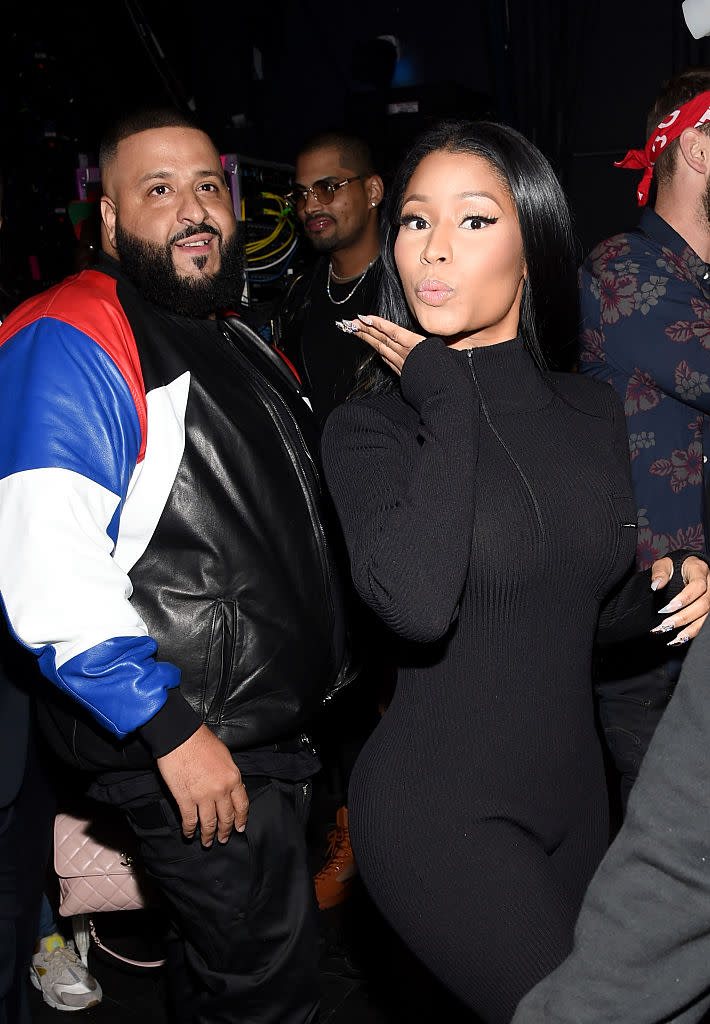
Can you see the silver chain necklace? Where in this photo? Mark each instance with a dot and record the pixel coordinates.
(361, 278)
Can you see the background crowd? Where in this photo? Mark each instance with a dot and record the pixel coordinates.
(478, 610)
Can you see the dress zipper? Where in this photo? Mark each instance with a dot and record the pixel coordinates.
(506, 449)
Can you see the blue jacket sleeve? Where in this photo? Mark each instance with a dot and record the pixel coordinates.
(71, 442)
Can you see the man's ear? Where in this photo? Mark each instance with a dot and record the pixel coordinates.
(695, 149)
(108, 218)
(375, 189)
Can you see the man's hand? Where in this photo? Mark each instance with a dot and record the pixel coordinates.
(207, 786)
(690, 608)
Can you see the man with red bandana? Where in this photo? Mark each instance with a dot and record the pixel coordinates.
(645, 328)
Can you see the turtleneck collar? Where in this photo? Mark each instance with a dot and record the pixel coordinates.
(508, 378)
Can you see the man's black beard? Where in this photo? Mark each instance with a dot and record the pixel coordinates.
(151, 269)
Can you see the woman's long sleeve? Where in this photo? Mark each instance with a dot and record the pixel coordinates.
(402, 478)
(631, 609)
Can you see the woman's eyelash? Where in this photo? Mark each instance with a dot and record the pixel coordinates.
(409, 218)
(480, 216)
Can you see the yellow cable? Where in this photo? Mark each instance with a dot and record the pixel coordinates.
(280, 248)
(282, 215)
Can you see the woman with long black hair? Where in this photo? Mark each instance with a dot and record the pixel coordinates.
(487, 508)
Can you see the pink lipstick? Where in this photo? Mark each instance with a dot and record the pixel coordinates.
(434, 293)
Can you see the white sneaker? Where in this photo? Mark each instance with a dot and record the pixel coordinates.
(61, 977)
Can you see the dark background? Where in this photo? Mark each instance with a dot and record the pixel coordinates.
(576, 77)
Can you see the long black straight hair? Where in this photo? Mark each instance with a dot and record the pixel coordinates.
(549, 304)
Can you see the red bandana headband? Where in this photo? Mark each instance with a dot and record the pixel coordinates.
(691, 115)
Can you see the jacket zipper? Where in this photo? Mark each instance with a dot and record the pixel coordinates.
(276, 406)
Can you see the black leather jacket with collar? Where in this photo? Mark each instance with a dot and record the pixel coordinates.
(239, 581)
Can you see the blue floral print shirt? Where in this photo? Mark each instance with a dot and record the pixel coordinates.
(645, 329)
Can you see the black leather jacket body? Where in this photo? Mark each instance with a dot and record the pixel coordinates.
(238, 583)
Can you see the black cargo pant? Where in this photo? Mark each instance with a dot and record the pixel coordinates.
(634, 686)
(244, 912)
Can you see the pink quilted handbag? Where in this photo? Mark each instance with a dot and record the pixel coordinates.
(96, 873)
(94, 876)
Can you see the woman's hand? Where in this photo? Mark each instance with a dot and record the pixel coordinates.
(392, 342)
(690, 608)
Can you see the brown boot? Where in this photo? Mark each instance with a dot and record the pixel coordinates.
(334, 880)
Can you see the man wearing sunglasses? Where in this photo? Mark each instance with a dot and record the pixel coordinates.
(336, 197)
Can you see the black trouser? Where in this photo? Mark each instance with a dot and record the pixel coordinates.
(339, 734)
(25, 840)
(634, 686)
(244, 912)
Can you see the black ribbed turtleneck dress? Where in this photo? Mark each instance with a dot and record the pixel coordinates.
(488, 514)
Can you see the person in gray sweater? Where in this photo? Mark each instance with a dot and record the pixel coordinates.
(641, 950)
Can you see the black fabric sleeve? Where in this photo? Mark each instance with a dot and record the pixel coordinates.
(405, 492)
(632, 608)
(172, 725)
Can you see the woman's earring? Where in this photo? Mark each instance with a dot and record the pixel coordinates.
(373, 203)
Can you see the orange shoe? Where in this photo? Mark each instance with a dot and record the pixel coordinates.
(334, 880)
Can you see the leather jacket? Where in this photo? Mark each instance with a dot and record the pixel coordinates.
(223, 529)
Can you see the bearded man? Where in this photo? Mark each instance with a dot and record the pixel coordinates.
(165, 554)
(645, 328)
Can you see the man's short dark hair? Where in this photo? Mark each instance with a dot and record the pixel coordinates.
(674, 93)
(354, 152)
(141, 120)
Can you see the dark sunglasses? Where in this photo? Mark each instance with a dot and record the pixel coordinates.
(322, 191)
